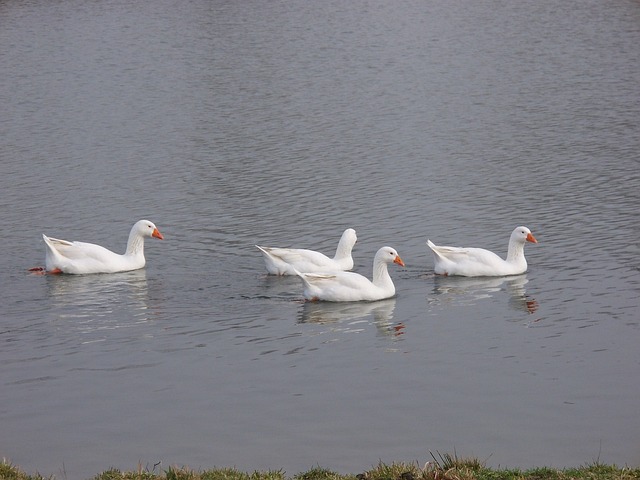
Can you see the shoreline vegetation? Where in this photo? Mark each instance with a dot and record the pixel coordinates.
(441, 467)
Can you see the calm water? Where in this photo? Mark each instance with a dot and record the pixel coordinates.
(282, 123)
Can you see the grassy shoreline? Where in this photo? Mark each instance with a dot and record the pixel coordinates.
(441, 467)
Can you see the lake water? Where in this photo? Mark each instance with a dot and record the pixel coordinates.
(283, 123)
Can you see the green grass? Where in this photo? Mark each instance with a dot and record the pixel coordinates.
(441, 467)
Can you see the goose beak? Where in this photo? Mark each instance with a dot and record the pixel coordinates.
(156, 233)
(398, 260)
(531, 238)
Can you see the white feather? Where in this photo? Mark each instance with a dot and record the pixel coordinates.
(352, 287)
(477, 262)
(63, 256)
(285, 261)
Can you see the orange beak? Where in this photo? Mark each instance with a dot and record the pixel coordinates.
(156, 233)
(531, 238)
(398, 260)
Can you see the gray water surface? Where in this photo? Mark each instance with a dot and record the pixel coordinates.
(235, 123)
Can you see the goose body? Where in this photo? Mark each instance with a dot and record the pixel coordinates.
(353, 287)
(478, 262)
(63, 256)
(286, 261)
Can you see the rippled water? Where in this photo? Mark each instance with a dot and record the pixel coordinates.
(231, 124)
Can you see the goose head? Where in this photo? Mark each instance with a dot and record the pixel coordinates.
(145, 228)
(349, 238)
(522, 235)
(388, 255)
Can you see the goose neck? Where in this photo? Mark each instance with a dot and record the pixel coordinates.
(343, 250)
(516, 252)
(380, 274)
(135, 245)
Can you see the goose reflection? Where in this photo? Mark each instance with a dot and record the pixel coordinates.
(469, 289)
(347, 314)
(100, 301)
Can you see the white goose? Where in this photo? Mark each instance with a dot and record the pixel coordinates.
(285, 261)
(478, 262)
(79, 257)
(350, 286)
